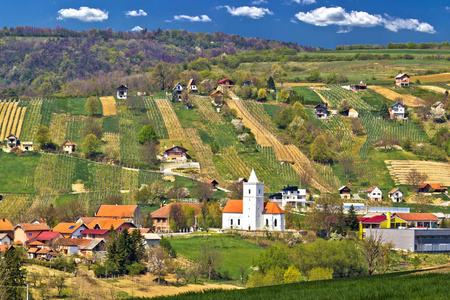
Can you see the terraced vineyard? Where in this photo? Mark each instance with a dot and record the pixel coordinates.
(155, 118)
(409, 100)
(128, 135)
(14, 207)
(75, 125)
(234, 166)
(206, 110)
(334, 94)
(18, 129)
(171, 121)
(58, 128)
(54, 173)
(436, 172)
(31, 121)
(341, 132)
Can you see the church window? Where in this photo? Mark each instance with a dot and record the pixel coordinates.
(231, 222)
(275, 223)
(259, 191)
(249, 191)
(267, 222)
(239, 222)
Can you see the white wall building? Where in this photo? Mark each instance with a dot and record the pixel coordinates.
(374, 193)
(289, 195)
(396, 195)
(252, 213)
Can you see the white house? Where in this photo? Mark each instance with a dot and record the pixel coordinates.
(289, 195)
(5, 239)
(374, 193)
(396, 195)
(402, 80)
(398, 111)
(69, 147)
(177, 91)
(192, 86)
(122, 92)
(252, 213)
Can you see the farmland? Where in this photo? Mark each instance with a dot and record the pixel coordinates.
(334, 94)
(408, 100)
(171, 121)
(436, 172)
(109, 106)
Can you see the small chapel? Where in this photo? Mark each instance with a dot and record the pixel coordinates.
(252, 213)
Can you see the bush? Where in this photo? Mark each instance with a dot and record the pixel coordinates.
(100, 271)
(164, 243)
(136, 269)
(431, 152)
(111, 268)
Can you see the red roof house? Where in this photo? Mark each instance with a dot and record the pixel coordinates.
(402, 79)
(27, 231)
(431, 188)
(130, 213)
(175, 152)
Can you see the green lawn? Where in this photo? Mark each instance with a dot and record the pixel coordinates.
(311, 97)
(77, 106)
(17, 172)
(235, 251)
(110, 124)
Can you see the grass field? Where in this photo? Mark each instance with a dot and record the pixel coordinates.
(17, 172)
(235, 251)
(393, 286)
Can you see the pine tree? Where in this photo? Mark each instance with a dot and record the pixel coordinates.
(270, 83)
(13, 274)
(384, 111)
(351, 220)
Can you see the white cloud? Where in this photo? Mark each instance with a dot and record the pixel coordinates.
(259, 2)
(247, 11)
(202, 18)
(344, 30)
(137, 28)
(325, 16)
(84, 14)
(447, 7)
(135, 13)
(304, 1)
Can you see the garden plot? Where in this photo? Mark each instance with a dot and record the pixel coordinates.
(408, 100)
(170, 118)
(334, 94)
(436, 172)
(109, 106)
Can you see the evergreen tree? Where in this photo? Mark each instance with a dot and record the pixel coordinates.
(351, 220)
(384, 111)
(320, 151)
(146, 134)
(125, 250)
(13, 275)
(443, 224)
(139, 248)
(112, 245)
(270, 83)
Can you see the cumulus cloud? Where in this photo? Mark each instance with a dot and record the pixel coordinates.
(84, 14)
(247, 11)
(304, 1)
(135, 13)
(325, 16)
(137, 28)
(202, 18)
(259, 2)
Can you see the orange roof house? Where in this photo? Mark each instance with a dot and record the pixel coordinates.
(431, 188)
(5, 226)
(27, 231)
(424, 220)
(118, 225)
(131, 213)
(69, 147)
(161, 217)
(70, 230)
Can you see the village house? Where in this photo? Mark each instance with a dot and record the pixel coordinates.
(69, 147)
(351, 113)
(151, 239)
(217, 98)
(69, 246)
(396, 195)
(86, 220)
(213, 183)
(12, 141)
(27, 231)
(131, 213)
(177, 91)
(321, 111)
(94, 246)
(70, 230)
(161, 217)
(374, 193)
(118, 224)
(398, 111)
(420, 220)
(380, 221)
(402, 80)
(6, 226)
(48, 238)
(175, 153)
(192, 86)
(225, 84)
(95, 234)
(252, 213)
(5, 239)
(432, 188)
(344, 192)
(122, 92)
(291, 195)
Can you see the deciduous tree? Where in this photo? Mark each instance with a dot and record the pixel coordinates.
(146, 134)
(92, 105)
(90, 145)
(158, 261)
(320, 151)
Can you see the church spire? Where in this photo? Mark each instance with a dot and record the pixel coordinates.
(253, 178)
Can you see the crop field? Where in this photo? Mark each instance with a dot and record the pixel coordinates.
(112, 142)
(58, 128)
(341, 131)
(436, 172)
(171, 121)
(14, 206)
(409, 100)
(206, 111)
(48, 106)
(376, 128)
(18, 129)
(128, 135)
(443, 77)
(154, 115)
(434, 88)
(54, 173)
(231, 166)
(334, 94)
(75, 126)
(257, 110)
(109, 106)
(6, 119)
(32, 119)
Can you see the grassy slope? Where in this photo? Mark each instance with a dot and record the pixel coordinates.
(16, 171)
(236, 252)
(396, 286)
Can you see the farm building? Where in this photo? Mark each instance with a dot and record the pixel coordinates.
(161, 217)
(94, 246)
(131, 213)
(344, 192)
(351, 113)
(69, 147)
(192, 86)
(432, 188)
(396, 195)
(177, 91)
(225, 84)
(398, 111)
(321, 111)
(402, 80)
(291, 195)
(374, 193)
(26, 146)
(358, 87)
(214, 184)
(258, 214)
(122, 92)
(12, 141)
(175, 152)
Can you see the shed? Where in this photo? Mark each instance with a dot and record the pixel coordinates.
(122, 92)
(12, 141)
(69, 147)
(344, 192)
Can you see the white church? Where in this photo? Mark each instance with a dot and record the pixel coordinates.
(252, 213)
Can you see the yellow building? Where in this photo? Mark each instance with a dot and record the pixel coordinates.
(380, 221)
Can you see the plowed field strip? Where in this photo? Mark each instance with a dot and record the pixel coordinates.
(170, 118)
(12, 119)
(436, 172)
(6, 120)
(109, 106)
(409, 100)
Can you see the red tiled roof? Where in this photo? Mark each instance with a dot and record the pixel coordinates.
(225, 80)
(5, 225)
(371, 188)
(46, 236)
(393, 191)
(95, 231)
(67, 227)
(164, 211)
(4, 248)
(106, 223)
(375, 219)
(272, 208)
(33, 250)
(35, 243)
(73, 242)
(69, 143)
(417, 216)
(118, 211)
(33, 226)
(233, 206)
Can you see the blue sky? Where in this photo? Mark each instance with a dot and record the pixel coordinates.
(324, 23)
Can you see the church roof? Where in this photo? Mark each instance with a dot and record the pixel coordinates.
(233, 206)
(253, 178)
(272, 208)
